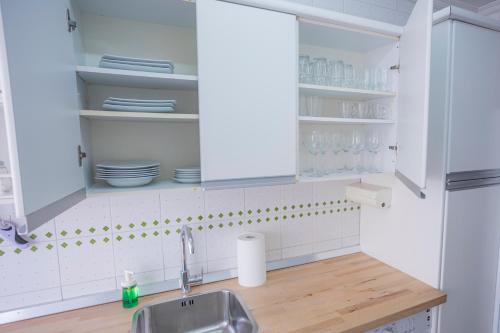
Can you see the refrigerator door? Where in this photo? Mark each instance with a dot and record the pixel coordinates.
(474, 124)
(470, 260)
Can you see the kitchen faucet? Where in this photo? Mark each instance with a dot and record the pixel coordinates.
(186, 280)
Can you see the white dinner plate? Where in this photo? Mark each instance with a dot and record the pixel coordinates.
(129, 182)
(187, 181)
(131, 100)
(127, 67)
(123, 58)
(135, 164)
(137, 108)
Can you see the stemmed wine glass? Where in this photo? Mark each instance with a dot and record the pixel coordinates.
(312, 142)
(358, 145)
(336, 146)
(374, 147)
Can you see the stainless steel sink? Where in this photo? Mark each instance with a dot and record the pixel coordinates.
(218, 311)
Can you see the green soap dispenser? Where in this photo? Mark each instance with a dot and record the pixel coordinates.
(130, 291)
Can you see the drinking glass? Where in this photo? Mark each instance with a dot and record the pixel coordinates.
(314, 106)
(336, 147)
(358, 145)
(339, 73)
(324, 148)
(320, 69)
(348, 76)
(367, 79)
(331, 73)
(346, 150)
(381, 79)
(382, 111)
(374, 148)
(303, 68)
(312, 142)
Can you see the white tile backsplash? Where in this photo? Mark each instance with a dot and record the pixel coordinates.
(138, 252)
(85, 250)
(25, 270)
(88, 218)
(181, 207)
(88, 288)
(85, 259)
(133, 212)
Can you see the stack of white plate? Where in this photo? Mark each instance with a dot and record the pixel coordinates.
(190, 175)
(127, 173)
(139, 105)
(137, 64)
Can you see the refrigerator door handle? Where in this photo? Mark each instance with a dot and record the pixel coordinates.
(456, 181)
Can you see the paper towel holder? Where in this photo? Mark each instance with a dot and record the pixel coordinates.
(370, 194)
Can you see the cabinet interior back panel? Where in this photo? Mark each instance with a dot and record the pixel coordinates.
(109, 35)
(174, 145)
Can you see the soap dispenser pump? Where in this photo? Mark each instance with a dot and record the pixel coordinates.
(130, 291)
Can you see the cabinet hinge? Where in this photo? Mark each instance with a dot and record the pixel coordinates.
(71, 23)
(81, 156)
(394, 148)
(394, 68)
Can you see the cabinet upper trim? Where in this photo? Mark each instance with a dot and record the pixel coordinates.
(325, 16)
(466, 16)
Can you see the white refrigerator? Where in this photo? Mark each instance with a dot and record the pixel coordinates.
(465, 95)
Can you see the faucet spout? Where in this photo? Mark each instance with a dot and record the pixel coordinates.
(185, 279)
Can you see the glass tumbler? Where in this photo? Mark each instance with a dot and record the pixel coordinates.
(303, 68)
(320, 70)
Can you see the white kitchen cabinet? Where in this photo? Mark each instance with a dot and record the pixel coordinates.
(247, 67)
(239, 56)
(41, 108)
(404, 133)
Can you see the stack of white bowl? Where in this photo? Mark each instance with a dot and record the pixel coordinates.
(127, 173)
(188, 175)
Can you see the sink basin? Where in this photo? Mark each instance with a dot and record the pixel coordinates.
(218, 311)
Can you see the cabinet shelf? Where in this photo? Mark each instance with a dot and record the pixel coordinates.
(347, 121)
(343, 93)
(144, 116)
(126, 78)
(160, 185)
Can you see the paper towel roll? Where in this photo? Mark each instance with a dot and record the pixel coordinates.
(251, 259)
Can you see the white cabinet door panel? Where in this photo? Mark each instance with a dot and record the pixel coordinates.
(471, 244)
(475, 101)
(41, 105)
(247, 68)
(413, 95)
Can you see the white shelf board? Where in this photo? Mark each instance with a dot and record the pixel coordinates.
(99, 189)
(126, 78)
(144, 116)
(343, 93)
(347, 121)
(5, 175)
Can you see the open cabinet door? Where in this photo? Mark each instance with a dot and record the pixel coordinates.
(40, 97)
(413, 99)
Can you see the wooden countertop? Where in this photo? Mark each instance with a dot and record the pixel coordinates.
(353, 293)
